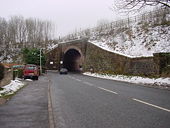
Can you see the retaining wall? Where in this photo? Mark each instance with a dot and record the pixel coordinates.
(107, 62)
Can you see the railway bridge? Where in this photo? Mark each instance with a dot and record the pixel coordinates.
(81, 54)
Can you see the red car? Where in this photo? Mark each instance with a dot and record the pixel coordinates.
(31, 71)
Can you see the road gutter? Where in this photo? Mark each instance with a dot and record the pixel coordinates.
(50, 109)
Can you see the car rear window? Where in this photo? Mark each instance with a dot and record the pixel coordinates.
(31, 68)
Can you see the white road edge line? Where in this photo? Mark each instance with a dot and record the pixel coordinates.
(151, 105)
(107, 90)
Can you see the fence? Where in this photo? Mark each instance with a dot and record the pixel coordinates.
(158, 16)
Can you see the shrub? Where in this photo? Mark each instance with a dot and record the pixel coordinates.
(20, 73)
(2, 69)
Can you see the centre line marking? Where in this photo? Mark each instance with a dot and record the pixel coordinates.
(151, 105)
(107, 90)
(71, 77)
(88, 83)
(78, 80)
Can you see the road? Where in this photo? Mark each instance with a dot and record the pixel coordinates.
(80, 101)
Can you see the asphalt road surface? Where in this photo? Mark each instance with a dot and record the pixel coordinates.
(80, 101)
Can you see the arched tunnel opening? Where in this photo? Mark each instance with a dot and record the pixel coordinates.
(71, 61)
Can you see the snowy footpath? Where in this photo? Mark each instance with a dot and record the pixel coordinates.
(155, 82)
(29, 107)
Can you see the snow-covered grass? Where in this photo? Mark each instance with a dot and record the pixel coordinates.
(133, 79)
(11, 88)
(137, 41)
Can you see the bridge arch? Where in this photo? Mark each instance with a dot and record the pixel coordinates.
(73, 59)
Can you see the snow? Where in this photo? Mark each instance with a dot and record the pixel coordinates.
(135, 41)
(11, 88)
(138, 39)
(132, 79)
(52, 46)
(107, 48)
(28, 80)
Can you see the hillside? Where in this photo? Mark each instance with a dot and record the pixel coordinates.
(135, 37)
(136, 41)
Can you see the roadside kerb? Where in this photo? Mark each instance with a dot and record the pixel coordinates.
(50, 109)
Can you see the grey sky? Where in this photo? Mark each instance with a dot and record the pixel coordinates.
(67, 15)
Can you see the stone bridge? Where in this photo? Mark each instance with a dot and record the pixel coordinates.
(81, 54)
(70, 55)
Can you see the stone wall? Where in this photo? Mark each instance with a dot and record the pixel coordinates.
(56, 55)
(163, 63)
(145, 66)
(7, 78)
(107, 62)
(103, 61)
(53, 59)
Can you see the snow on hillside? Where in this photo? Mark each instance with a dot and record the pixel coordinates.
(138, 36)
(52, 46)
(136, 41)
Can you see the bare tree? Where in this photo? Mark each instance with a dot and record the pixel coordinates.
(102, 24)
(132, 5)
(17, 33)
(3, 29)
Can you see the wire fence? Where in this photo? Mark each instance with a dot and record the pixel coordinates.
(157, 17)
(153, 17)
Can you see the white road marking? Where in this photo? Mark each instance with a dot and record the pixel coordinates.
(78, 80)
(74, 78)
(107, 90)
(151, 105)
(71, 77)
(88, 83)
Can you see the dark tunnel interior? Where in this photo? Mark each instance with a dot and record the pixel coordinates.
(72, 60)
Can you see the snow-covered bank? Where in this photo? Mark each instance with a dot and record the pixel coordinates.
(11, 88)
(162, 82)
(135, 41)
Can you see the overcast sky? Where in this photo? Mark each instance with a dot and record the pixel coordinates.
(67, 15)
